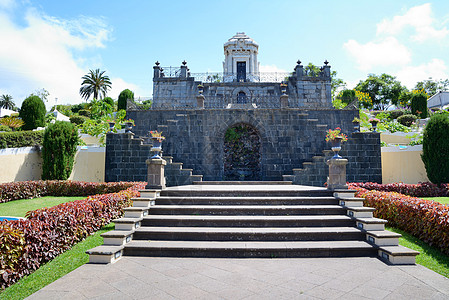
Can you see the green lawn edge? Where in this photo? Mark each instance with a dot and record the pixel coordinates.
(18, 208)
(55, 269)
(442, 200)
(429, 257)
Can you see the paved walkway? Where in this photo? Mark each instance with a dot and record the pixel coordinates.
(215, 278)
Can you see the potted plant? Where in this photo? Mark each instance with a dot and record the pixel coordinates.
(283, 88)
(157, 143)
(356, 123)
(200, 88)
(374, 122)
(128, 125)
(336, 138)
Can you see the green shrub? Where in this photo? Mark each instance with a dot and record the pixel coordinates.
(347, 96)
(58, 154)
(84, 112)
(78, 119)
(28, 244)
(419, 105)
(425, 219)
(394, 114)
(5, 128)
(123, 98)
(75, 108)
(436, 148)
(109, 101)
(17, 139)
(407, 120)
(32, 113)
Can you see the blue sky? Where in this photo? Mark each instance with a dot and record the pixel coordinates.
(51, 44)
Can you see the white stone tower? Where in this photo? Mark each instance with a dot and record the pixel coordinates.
(240, 63)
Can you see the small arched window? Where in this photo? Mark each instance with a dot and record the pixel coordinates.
(241, 97)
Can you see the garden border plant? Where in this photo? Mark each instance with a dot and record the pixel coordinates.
(27, 244)
(425, 219)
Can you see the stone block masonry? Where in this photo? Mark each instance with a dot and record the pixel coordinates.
(289, 138)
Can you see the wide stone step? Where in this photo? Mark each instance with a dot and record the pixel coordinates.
(247, 221)
(166, 200)
(245, 191)
(249, 249)
(249, 234)
(264, 210)
(244, 183)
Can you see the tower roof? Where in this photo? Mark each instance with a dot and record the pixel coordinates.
(241, 36)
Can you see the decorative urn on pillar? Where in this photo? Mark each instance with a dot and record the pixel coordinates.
(336, 138)
(337, 164)
(157, 139)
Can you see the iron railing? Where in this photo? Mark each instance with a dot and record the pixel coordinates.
(217, 77)
(218, 102)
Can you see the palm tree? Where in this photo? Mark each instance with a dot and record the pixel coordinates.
(95, 83)
(6, 102)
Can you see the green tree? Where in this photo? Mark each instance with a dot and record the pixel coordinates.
(95, 83)
(419, 104)
(347, 96)
(383, 90)
(32, 113)
(100, 108)
(123, 98)
(436, 148)
(59, 149)
(109, 101)
(431, 87)
(6, 102)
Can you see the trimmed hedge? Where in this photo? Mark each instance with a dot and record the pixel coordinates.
(425, 189)
(17, 139)
(407, 120)
(27, 244)
(425, 219)
(33, 189)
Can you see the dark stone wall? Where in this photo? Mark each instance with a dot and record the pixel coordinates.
(289, 137)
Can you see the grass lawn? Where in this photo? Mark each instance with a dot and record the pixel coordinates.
(429, 257)
(18, 208)
(443, 200)
(55, 269)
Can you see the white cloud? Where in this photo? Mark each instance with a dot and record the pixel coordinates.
(387, 52)
(46, 53)
(419, 18)
(271, 69)
(6, 3)
(410, 75)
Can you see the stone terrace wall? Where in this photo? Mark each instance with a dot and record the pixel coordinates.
(289, 137)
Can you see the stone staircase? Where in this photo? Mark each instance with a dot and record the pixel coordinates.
(250, 219)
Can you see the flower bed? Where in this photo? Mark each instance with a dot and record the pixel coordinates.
(425, 189)
(34, 189)
(27, 244)
(425, 219)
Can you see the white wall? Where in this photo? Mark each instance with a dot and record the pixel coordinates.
(20, 164)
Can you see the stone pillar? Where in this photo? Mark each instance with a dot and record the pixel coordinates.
(184, 69)
(327, 69)
(156, 71)
(200, 101)
(156, 175)
(337, 173)
(299, 69)
(284, 101)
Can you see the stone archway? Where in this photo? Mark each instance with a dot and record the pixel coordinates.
(242, 153)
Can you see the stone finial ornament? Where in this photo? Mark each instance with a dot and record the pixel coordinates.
(326, 62)
(157, 63)
(184, 62)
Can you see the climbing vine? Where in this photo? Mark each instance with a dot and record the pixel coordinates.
(242, 153)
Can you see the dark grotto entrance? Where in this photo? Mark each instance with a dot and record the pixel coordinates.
(242, 153)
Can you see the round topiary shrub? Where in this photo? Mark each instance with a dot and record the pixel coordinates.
(59, 149)
(123, 98)
(419, 104)
(436, 148)
(84, 112)
(32, 113)
(407, 120)
(78, 120)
